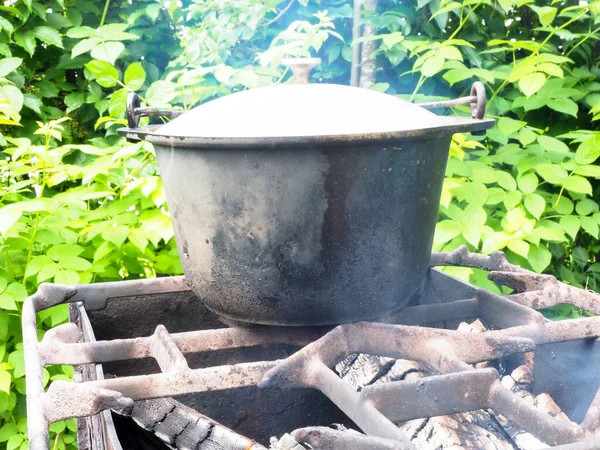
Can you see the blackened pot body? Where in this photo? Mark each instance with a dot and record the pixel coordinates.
(305, 236)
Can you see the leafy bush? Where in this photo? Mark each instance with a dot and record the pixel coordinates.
(78, 204)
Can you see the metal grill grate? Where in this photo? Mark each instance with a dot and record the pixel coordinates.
(515, 328)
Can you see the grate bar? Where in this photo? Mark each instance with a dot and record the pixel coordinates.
(187, 342)
(165, 352)
(401, 401)
(94, 396)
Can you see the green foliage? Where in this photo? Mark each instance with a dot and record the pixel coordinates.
(79, 205)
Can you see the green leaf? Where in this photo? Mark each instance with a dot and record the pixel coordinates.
(13, 96)
(26, 40)
(550, 69)
(580, 256)
(539, 257)
(589, 150)
(578, 184)
(552, 173)
(509, 126)
(535, 204)
(519, 246)
(474, 216)
(586, 206)
(36, 264)
(134, 76)
(506, 4)
(48, 272)
(432, 65)
(48, 36)
(527, 183)
(82, 32)
(117, 103)
(546, 14)
(588, 171)
(160, 93)
(590, 225)
(84, 46)
(506, 180)
(552, 144)
(549, 234)
(445, 231)
(108, 51)
(62, 251)
(392, 39)
(152, 11)
(17, 291)
(116, 32)
(571, 225)
(563, 105)
(74, 100)
(14, 442)
(526, 136)
(563, 204)
(7, 65)
(68, 277)
(7, 302)
(494, 241)
(10, 428)
(105, 73)
(74, 263)
(512, 199)
(17, 360)
(6, 26)
(532, 83)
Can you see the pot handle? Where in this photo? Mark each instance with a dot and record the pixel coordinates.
(135, 111)
(477, 100)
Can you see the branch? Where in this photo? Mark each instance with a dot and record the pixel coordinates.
(281, 13)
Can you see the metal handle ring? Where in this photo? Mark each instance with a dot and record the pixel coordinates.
(133, 102)
(478, 107)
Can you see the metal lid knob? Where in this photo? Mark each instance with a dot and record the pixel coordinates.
(301, 68)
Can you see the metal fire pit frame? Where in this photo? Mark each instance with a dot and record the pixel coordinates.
(518, 329)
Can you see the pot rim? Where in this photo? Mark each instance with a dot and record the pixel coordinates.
(455, 124)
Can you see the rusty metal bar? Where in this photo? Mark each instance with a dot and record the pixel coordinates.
(401, 401)
(547, 428)
(165, 352)
(157, 112)
(187, 342)
(588, 444)
(363, 414)
(437, 312)
(323, 438)
(85, 399)
(37, 424)
(464, 258)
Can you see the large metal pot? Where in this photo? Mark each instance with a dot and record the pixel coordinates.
(304, 204)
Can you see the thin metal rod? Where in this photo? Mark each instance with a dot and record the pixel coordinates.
(355, 45)
(449, 103)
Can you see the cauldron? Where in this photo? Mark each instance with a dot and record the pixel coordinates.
(305, 204)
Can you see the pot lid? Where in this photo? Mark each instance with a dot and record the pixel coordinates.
(302, 113)
(302, 110)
